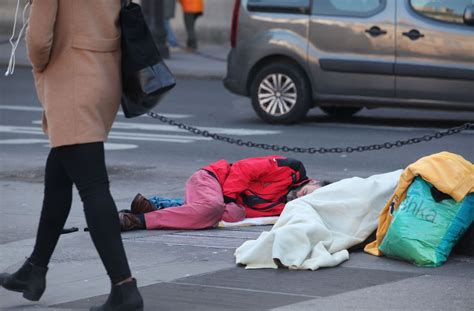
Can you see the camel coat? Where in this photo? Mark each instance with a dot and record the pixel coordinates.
(74, 47)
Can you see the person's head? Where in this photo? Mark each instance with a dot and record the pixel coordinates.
(305, 189)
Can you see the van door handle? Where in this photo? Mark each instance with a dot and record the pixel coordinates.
(375, 31)
(413, 34)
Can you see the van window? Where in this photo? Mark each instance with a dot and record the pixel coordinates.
(283, 6)
(451, 11)
(355, 8)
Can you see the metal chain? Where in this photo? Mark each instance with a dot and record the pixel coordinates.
(312, 150)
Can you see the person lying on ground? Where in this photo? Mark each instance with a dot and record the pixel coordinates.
(252, 187)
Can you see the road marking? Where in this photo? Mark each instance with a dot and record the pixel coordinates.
(384, 127)
(120, 113)
(20, 108)
(21, 130)
(243, 289)
(170, 128)
(29, 141)
(23, 141)
(134, 136)
(168, 115)
(112, 135)
(161, 127)
(155, 137)
(242, 132)
(114, 146)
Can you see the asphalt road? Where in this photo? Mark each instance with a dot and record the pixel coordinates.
(149, 149)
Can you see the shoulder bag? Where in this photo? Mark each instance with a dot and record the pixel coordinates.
(145, 76)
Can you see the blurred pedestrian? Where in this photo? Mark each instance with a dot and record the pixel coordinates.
(169, 9)
(192, 9)
(76, 67)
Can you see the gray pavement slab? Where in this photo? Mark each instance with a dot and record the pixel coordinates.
(219, 238)
(195, 270)
(175, 296)
(456, 266)
(426, 292)
(75, 271)
(325, 282)
(238, 288)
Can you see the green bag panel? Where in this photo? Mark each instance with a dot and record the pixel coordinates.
(424, 231)
(461, 223)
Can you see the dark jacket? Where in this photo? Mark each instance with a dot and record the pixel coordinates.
(169, 8)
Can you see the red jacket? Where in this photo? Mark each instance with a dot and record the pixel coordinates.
(259, 184)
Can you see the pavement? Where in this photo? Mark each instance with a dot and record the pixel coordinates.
(196, 270)
(208, 62)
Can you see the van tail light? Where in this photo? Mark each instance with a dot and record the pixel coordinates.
(235, 24)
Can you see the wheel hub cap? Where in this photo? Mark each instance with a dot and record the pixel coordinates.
(277, 94)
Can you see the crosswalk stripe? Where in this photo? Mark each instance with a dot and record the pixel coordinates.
(169, 128)
(20, 108)
(159, 127)
(112, 135)
(30, 141)
(23, 141)
(120, 113)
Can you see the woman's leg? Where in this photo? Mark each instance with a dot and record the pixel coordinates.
(56, 206)
(203, 208)
(85, 164)
(189, 22)
(171, 38)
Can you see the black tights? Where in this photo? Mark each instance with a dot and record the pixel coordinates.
(84, 166)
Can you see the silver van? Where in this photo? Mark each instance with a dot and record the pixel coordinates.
(342, 55)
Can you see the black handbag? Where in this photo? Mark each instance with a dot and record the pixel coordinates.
(145, 76)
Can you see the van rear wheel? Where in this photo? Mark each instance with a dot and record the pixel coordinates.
(340, 112)
(280, 93)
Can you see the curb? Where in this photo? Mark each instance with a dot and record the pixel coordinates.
(176, 73)
(197, 76)
(211, 65)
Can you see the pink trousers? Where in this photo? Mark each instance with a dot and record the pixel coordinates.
(204, 207)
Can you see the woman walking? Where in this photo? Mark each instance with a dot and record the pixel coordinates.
(74, 48)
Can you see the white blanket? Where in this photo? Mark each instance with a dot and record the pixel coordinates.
(316, 230)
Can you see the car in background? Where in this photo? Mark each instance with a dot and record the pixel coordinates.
(342, 55)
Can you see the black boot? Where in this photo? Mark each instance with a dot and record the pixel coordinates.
(124, 297)
(29, 280)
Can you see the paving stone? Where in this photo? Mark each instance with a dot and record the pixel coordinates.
(237, 288)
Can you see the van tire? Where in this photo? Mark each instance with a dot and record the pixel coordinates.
(299, 94)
